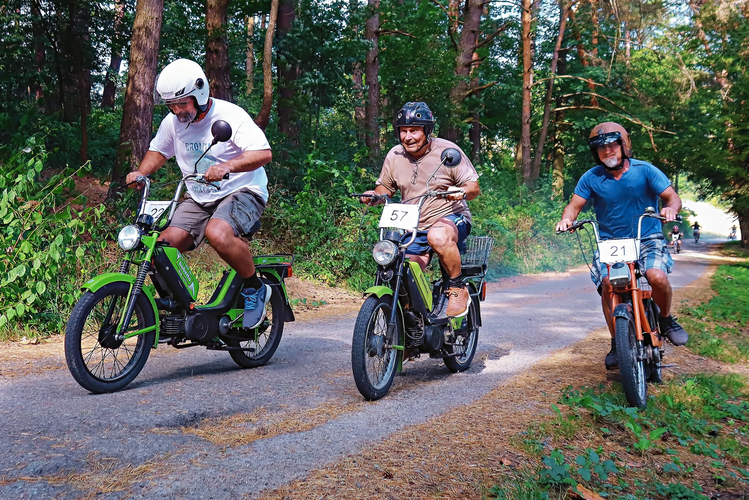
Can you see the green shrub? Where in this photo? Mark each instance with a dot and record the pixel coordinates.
(45, 243)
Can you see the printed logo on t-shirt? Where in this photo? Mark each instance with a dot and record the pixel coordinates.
(193, 152)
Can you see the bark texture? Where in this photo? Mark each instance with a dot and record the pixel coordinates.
(372, 73)
(263, 117)
(135, 129)
(217, 66)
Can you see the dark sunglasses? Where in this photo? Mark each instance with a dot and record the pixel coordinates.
(607, 138)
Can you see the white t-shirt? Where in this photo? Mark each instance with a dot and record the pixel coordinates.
(187, 143)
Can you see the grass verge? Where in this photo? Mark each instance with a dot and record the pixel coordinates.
(691, 442)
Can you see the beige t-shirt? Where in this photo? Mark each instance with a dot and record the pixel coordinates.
(401, 172)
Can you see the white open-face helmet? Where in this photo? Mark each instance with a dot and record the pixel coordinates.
(179, 79)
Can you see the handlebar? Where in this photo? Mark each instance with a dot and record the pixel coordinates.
(649, 212)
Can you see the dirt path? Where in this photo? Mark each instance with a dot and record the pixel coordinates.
(193, 426)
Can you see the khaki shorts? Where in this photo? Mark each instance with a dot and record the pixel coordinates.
(241, 210)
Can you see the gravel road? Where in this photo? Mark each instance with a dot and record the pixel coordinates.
(58, 441)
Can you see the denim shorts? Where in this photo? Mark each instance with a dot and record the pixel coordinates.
(421, 246)
(653, 255)
(240, 209)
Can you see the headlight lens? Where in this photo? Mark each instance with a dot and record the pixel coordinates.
(384, 252)
(129, 237)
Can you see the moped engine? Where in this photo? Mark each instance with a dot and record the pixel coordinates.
(433, 338)
(201, 327)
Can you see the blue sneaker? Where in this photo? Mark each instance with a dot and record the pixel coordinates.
(254, 306)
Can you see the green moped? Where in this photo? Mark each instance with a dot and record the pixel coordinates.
(120, 317)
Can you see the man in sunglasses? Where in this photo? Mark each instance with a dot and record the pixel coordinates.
(621, 188)
(445, 222)
(223, 216)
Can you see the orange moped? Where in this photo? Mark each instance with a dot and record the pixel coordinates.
(639, 345)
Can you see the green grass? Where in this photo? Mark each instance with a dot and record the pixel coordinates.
(691, 442)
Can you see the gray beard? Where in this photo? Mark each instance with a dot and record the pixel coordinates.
(186, 117)
(610, 162)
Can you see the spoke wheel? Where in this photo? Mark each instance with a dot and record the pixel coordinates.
(464, 346)
(373, 360)
(264, 339)
(631, 369)
(97, 361)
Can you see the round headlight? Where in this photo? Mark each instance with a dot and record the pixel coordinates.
(129, 237)
(384, 252)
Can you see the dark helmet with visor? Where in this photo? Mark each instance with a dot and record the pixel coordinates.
(607, 133)
(414, 114)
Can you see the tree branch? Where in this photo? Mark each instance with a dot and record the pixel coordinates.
(488, 39)
(394, 32)
(479, 89)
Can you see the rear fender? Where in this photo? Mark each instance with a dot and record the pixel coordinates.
(272, 275)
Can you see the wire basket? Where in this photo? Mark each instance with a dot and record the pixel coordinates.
(478, 249)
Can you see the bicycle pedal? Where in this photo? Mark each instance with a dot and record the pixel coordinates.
(667, 366)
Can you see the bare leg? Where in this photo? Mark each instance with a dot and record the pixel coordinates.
(662, 291)
(606, 295)
(178, 238)
(232, 249)
(443, 238)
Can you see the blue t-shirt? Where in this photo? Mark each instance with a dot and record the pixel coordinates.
(619, 203)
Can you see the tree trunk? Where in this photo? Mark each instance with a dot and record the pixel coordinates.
(250, 56)
(549, 91)
(135, 129)
(357, 77)
(372, 74)
(115, 57)
(464, 59)
(263, 117)
(288, 72)
(217, 66)
(594, 46)
(40, 57)
(525, 125)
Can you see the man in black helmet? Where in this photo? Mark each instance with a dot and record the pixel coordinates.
(445, 222)
(621, 188)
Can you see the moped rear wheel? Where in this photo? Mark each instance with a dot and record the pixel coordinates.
(265, 338)
(97, 361)
(373, 360)
(631, 369)
(464, 348)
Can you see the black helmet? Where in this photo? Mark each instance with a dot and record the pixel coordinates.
(414, 114)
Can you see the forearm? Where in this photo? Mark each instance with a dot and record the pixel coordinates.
(249, 161)
(151, 162)
(471, 189)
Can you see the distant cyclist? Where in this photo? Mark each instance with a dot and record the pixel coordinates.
(696, 231)
(732, 234)
(676, 235)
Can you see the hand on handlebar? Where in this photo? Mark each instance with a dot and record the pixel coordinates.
(669, 214)
(216, 173)
(133, 180)
(456, 195)
(565, 225)
(374, 199)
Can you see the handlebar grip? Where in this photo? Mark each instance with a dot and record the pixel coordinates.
(226, 176)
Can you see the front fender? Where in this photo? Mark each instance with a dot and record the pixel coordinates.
(623, 311)
(97, 282)
(380, 291)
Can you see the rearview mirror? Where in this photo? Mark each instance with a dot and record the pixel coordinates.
(221, 131)
(450, 157)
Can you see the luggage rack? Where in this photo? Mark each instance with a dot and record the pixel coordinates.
(478, 250)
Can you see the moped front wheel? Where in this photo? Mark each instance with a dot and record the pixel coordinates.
(631, 368)
(263, 341)
(97, 360)
(464, 347)
(373, 359)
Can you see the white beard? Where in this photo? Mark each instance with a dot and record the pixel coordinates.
(610, 162)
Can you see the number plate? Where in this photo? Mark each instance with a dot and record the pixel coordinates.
(156, 208)
(612, 251)
(400, 215)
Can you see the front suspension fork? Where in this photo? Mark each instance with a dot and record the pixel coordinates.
(134, 293)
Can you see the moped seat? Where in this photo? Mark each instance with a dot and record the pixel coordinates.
(473, 270)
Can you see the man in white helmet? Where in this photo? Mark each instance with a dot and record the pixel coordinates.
(224, 215)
